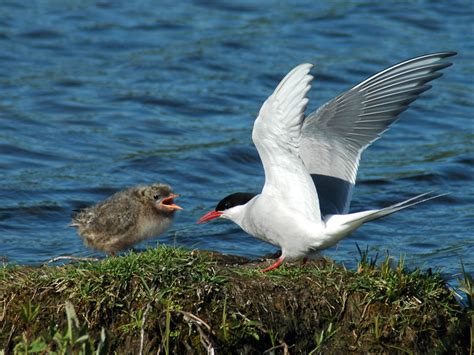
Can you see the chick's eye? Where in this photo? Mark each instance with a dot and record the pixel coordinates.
(156, 197)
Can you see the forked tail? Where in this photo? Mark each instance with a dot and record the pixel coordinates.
(343, 224)
(367, 216)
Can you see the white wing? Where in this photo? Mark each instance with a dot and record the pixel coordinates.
(334, 136)
(277, 134)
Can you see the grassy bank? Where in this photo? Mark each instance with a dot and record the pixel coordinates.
(174, 301)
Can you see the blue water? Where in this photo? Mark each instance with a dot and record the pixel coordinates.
(98, 97)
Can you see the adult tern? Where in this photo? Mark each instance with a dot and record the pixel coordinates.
(311, 162)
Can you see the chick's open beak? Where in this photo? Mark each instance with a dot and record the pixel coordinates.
(169, 203)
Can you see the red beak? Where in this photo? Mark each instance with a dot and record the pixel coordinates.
(208, 216)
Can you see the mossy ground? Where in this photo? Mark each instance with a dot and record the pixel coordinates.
(171, 300)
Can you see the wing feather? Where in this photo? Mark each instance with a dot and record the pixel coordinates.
(277, 134)
(334, 136)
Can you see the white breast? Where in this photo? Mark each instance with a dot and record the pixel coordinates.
(274, 222)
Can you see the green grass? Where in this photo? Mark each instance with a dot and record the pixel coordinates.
(171, 300)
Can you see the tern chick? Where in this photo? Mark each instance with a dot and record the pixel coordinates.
(127, 218)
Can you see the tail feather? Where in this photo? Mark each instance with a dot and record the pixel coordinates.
(375, 214)
(343, 224)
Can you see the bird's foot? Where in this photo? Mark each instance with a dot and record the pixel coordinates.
(275, 265)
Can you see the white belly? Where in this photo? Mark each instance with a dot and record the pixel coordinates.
(277, 225)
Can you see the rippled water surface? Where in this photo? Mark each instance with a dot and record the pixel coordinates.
(98, 97)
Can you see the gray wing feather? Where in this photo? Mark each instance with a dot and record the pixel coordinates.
(334, 136)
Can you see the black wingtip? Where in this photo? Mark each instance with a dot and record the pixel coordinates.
(449, 54)
(437, 55)
(442, 54)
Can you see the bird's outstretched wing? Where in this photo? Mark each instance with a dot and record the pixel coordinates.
(277, 134)
(334, 136)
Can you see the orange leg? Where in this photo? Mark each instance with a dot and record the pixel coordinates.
(275, 265)
(305, 260)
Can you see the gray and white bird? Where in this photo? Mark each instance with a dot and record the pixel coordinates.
(311, 162)
(127, 218)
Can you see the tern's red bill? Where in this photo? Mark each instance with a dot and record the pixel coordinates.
(208, 216)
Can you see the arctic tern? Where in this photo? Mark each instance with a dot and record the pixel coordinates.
(127, 218)
(311, 162)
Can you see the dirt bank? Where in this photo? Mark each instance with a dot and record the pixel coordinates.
(175, 301)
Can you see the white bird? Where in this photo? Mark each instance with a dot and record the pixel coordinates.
(311, 162)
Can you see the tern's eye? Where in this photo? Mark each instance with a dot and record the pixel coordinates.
(156, 197)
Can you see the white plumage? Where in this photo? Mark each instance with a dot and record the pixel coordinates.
(311, 162)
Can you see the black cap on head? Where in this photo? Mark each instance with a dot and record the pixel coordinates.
(237, 199)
